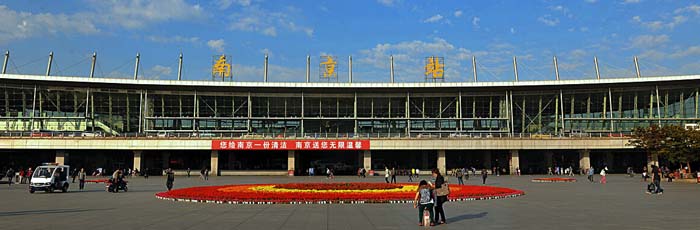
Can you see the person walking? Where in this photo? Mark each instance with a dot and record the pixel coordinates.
(591, 172)
(81, 178)
(145, 174)
(484, 175)
(10, 174)
(603, 173)
(656, 178)
(459, 174)
(386, 174)
(441, 198)
(21, 176)
(206, 174)
(393, 175)
(170, 179)
(29, 175)
(424, 200)
(188, 172)
(74, 175)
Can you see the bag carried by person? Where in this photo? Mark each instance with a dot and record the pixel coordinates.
(443, 191)
(651, 188)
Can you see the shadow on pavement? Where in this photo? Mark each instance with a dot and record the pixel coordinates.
(466, 217)
(48, 211)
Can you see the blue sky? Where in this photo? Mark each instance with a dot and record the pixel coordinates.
(663, 34)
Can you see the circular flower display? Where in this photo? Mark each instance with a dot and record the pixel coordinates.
(555, 179)
(323, 193)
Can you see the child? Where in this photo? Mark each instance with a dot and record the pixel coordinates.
(424, 200)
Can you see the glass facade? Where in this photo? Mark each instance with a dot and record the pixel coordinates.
(391, 112)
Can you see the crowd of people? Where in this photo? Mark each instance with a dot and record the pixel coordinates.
(21, 176)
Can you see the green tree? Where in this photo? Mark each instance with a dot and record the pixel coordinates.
(674, 143)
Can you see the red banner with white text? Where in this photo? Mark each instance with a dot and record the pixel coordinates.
(290, 145)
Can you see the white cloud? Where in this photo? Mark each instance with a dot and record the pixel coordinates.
(631, 1)
(409, 59)
(649, 41)
(217, 45)
(173, 39)
(688, 51)
(512, 30)
(591, 1)
(458, 13)
(225, 4)
(578, 53)
(276, 73)
(659, 24)
(132, 14)
(475, 22)
(692, 8)
(157, 72)
(19, 25)
(558, 8)
(140, 13)
(679, 16)
(270, 31)
(387, 2)
(433, 19)
(266, 22)
(548, 20)
(653, 54)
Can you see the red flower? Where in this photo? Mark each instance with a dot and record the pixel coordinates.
(326, 193)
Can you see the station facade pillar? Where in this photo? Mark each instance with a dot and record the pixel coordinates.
(291, 162)
(584, 159)
(61, 156)
(367, 160)
(514, 162)
(652, 159)
(137, 159)
(441, 161)
(214, 163)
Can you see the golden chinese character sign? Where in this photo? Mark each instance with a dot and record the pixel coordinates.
(221, 67)
(434, 67)
(328, 67)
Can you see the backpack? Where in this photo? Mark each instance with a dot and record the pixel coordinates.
(426, 196)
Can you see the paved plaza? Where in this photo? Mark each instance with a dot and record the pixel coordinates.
(620, 204)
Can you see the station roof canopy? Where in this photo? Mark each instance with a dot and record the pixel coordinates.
(340, 87)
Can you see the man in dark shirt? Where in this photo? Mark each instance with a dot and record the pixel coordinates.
(171, 178)
(656, 175)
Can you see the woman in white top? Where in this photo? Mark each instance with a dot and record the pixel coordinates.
(602, 175)
(386, 174)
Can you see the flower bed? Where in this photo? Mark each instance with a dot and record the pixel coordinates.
(310, 193)
(338, 186)
(556, 179)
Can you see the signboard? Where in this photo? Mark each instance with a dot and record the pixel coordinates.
(328, 67)
(290, 144)
(221, 67)
(434, 67)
